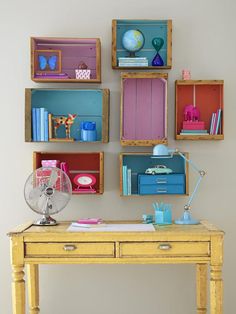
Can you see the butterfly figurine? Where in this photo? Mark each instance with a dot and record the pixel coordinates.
(44, 62)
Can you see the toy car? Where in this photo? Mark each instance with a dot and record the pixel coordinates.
(159, 169)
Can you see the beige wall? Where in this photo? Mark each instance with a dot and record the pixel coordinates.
(204, 42)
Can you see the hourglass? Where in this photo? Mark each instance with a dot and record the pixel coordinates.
(157, 43)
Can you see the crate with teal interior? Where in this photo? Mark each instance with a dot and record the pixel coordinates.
(134, 181)
(150, 29)
(87, 104)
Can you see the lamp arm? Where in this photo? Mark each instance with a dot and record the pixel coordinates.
(190, 162)
(201, 174)
(187, 206)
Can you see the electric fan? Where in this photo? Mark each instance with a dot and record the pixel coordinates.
(47, 191)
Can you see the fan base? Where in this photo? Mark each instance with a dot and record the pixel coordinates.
(45, 221)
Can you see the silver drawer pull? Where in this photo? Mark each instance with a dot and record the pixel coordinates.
(161, 181)
(161, 190)
(165, 246)
(70, 247)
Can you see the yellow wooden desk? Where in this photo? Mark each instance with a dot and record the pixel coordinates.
(199, 244)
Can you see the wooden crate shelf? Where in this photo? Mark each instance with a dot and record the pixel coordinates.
(87, 104)
(82, 162)
(150, 30)
(143, 109)
(208, 97)
(73, 51)
(139, 162)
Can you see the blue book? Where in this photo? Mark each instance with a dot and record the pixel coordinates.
(129, 181)
(42, 110)
(218, 121)
(125, 187)
(37, 124)
(34, 126)
(46, 126)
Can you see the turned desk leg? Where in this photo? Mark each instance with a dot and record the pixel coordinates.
(18, 289)
(216, 287)
(201, 288)
(216, 283)
(33, 288)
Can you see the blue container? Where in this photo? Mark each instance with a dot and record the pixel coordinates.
(88, 131)
(88, 135)
(163, 217)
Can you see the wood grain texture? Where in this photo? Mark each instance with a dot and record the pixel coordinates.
(169, 44)
(143, 111)
(33, 288)
(105, 115)
(201, 288)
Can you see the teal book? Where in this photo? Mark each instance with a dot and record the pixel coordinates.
(125, 186)
(42, 124)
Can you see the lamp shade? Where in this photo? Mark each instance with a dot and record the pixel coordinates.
(161, 150)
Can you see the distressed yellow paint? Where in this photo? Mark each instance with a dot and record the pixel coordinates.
(174, 244)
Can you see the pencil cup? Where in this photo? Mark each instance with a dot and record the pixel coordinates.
(164, 217)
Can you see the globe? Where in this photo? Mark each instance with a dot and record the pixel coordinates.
(133, 40)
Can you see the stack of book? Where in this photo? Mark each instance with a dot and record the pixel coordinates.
(40, 124)
(133, 62)
(194, 128)
(126, 180)
(215, 122)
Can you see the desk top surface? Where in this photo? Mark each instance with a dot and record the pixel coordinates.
(28, 229)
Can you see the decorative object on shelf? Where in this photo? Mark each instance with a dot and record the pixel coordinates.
(85, 183)
(126, 36)
(133, 40)
(192, 124)
(162, 151)
(158, 169)
(186, 75)
(88, 132)
(47, 191)
(147, 219)
(67, 121)
(82, 72)
(47, 61)
(163, 213)
(157, 43)
(50, 163)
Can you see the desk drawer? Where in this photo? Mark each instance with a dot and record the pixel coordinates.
(161, 189)
(75, 249)
(162, 179)
(158, 249)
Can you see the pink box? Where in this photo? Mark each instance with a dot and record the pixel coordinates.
(50, 163)
(193, 125)
(82, 74)
(186, 75)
